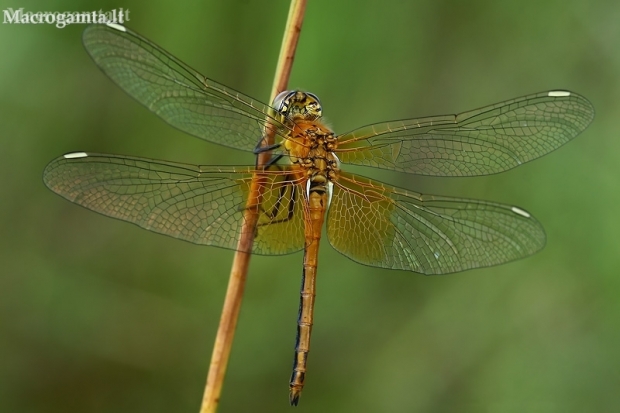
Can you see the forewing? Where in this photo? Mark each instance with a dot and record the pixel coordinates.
(479, 142)
(200, 204)
(177, 93)
(383, 226)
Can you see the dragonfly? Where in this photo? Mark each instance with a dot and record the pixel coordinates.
(303, 186)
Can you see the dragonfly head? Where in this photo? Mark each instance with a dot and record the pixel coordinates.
(298, 105)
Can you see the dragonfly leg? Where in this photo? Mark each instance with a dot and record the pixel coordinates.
(275, 211)
(260, 148)
(273, 161)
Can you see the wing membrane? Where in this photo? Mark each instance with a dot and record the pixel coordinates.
(383, 226)
(479, 142)
(200, 204)
(177, 93)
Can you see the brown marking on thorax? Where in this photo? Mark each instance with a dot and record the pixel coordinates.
(311, 145)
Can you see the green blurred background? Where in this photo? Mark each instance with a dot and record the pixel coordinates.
(97, 315)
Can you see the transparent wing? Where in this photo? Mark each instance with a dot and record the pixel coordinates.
(177, 93)
(383, 226)
(480, 142)
(200, 204)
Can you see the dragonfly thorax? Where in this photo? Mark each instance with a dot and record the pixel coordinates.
(296, 104)
(311, 145)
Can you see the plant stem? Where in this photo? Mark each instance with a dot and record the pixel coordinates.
(241, 261)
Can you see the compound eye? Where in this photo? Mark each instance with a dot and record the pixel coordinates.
(279, 100)
(315, 97)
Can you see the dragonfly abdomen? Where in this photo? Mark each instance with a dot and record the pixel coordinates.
(317, 205)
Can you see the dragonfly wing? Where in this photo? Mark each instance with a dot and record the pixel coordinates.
(177, 93)
(202, 205)
(383, 226)
(479, 142)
